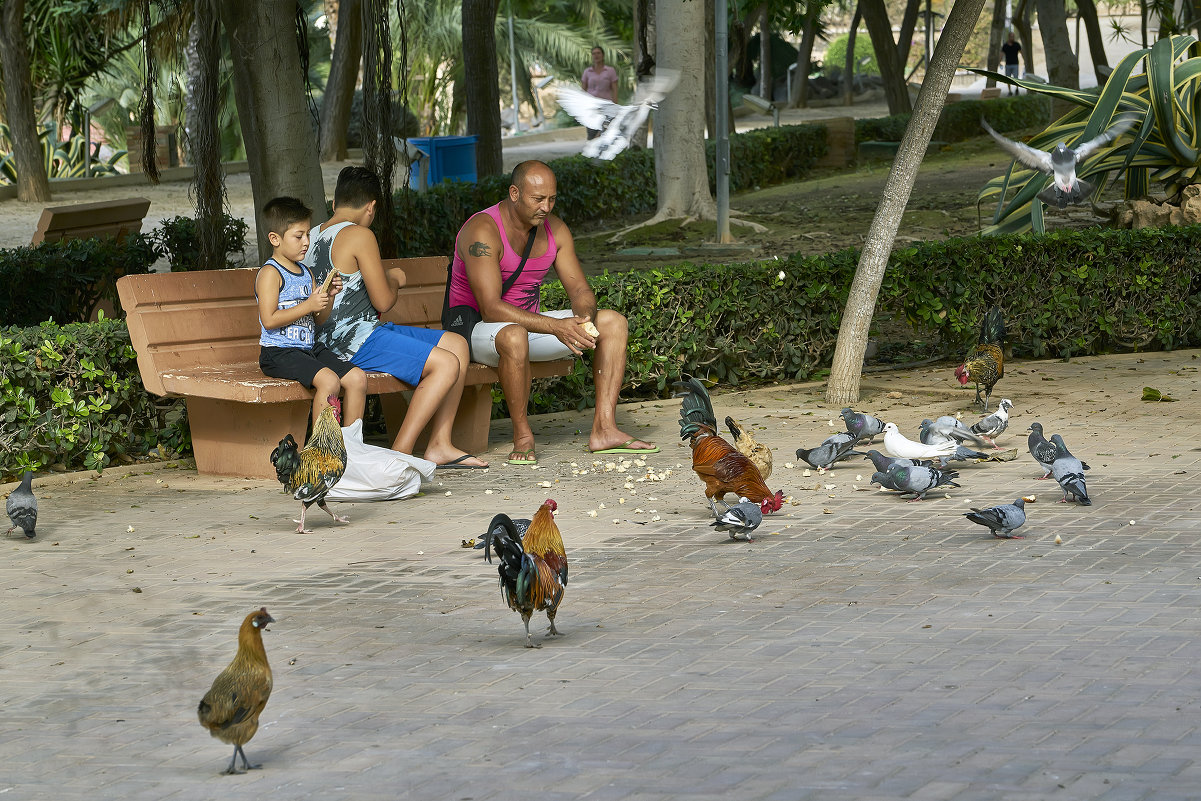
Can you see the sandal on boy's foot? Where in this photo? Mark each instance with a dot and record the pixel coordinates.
(457, 464)
(625, 448)
(529, 460)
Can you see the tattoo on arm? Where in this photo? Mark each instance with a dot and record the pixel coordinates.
(479, 250)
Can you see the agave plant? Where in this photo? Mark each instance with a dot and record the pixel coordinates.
(1165, 144)
(66, 159)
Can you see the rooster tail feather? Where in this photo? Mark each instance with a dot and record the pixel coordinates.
(504, 539)
(992, 327)
(285, 458)
(695, 406)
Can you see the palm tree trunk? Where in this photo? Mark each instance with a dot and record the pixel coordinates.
(888, 58)
(32, 182)
(339, 88)
(203, 134)
(847, 369)
(277, 129)
(482, 90)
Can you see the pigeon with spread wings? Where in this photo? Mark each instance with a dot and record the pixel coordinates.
(1061, 162)
(616, 123)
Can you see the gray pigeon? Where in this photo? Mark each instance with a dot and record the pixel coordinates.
(882, 462)
(1061, 162)
(22, 507)
(1001, 520)
(741, 518)
(862, 426)
(995, 424)
(1068, 471)
(522, 524)
(947, 429)
(617, 124)
(920, 480)
(885, 480)
(833, 449)
(1043, 452)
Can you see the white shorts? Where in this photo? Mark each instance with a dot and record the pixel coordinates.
(543, 347)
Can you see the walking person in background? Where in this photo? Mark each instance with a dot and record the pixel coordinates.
(600, 80)
(1012, 49)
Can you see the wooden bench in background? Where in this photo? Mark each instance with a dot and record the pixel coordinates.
(197, 337)
(117, 218)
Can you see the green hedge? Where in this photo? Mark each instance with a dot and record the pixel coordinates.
(72, 395)
(427, 222)
(961, 120)
(63, 281)
(1113, 290)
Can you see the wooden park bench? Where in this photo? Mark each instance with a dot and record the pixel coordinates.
(116, 218)
(197, 337)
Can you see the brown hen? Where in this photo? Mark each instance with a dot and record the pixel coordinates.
(985, 362)
(718, 463)
(230, 709)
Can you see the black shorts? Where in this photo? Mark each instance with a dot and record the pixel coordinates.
(300, 365)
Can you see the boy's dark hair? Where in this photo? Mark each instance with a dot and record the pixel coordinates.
(357, 186)
(281, 213)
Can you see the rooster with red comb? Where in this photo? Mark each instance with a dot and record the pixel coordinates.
(533, 569)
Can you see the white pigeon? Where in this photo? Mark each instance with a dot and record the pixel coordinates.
(1061, 162)
(900, 446)
(617, 124)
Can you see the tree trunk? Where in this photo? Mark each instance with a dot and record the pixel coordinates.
(892, 69)
(644, 55)
(767, 80)
(33, 185)
(1021, 23)
(996, 35)
(339, 88)
(1062, 67)
(681, 173)
(331, 21)
(908, 26)
(482, 89)
(204, 134)
(799, 97)
(1087, 9)
(847, 369)
(711, 70)
(848, 69)
(277, 129)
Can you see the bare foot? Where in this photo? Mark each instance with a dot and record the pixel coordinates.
(523, 451)
(619, 442)
(453, 456)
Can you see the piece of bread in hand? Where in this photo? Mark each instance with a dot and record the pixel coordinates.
(590, 329)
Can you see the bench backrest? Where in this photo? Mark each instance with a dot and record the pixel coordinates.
(208, 318)
(117, 218)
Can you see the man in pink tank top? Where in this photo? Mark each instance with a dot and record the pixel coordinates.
(515, 331)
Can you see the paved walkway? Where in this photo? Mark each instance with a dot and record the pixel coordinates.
(862, 648)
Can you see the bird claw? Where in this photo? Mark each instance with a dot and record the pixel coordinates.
(340, 518)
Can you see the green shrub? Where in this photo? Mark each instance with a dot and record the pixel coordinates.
(72, 395)
(1113, 290)
(63, 281)
(961, 120)
(836, 54)
(427, 222)
(177, 240)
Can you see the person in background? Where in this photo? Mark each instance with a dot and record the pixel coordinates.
(1012, 49)
(600, 80)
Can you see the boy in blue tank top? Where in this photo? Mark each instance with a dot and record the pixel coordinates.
(290, 307)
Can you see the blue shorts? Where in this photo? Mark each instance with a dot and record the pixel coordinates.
(398, 350)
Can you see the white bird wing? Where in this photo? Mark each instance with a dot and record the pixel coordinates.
(591, 112)
(901, 446)
(1085, 150)
(1035, 159)
(656, 87)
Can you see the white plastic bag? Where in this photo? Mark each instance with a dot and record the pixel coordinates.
(377, 474)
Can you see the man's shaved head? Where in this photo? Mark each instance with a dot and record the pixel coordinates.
(531, 171)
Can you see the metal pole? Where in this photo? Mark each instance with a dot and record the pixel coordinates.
(513, 70)
(721, 52)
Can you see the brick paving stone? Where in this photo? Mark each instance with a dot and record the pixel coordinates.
(883, 650)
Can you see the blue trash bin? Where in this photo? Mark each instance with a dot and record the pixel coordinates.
(449, 158)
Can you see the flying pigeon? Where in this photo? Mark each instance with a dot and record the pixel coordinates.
(900, 446)
(995, 424)
(1043, 452)
(862, 425)
(617, 124)
(920, 480)
(1061, 162)
(833, 449)
(1001, 520)
(522, 525)
(741, 518)
(22, 507)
